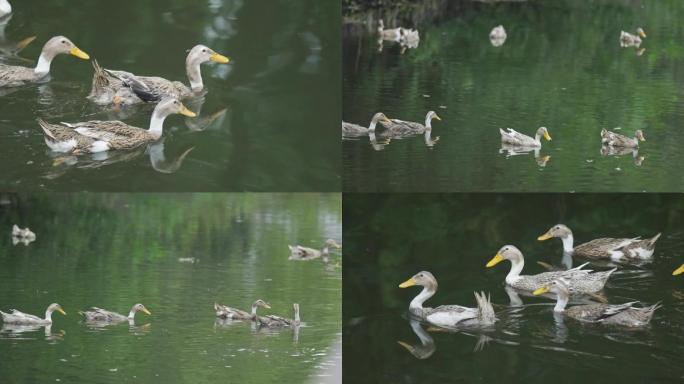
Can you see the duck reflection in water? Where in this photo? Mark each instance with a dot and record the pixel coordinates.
(515, 150)
(608, 150)
(15, 331)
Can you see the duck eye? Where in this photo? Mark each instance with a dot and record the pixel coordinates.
(64, 42)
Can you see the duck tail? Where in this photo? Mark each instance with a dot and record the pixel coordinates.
(46, 128)
(485, 310)
(100, 77)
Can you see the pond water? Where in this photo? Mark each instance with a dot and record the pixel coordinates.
(389, 238)
(561, 67)
(258, 109)
(176, 254)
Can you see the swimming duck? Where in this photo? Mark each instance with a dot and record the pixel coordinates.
(393, 34)
(396, 126)
(15, 76)
(618, 140)
(354, 130)
(304, 253)
(678, 271)
(17, 317)
(498, 36)
(630, 40)
(5, 8)
(582, 281)
(226, 312)
(603, 248)
(447, 315)
(512, 137)
(100, 136)
(273, 321)
(621, 314)
(131, 89)
(102, 315)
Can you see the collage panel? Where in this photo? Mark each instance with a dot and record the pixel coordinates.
(500, 261)
(248, 72)
(194, 263)
(512, 96)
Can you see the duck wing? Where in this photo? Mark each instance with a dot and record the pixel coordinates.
(450, 315)
(14, 76)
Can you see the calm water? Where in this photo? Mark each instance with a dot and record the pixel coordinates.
(267, 104)
(561, 67)
(112, 251)
(388, 238)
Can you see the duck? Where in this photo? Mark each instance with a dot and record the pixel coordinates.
(5, 8)
(610, 314)
(617, 140)
(96, 314)
(678, 271)
(512, 137)
(582, 281)
(394, 34)
(100, 136)
(605, 247)
(226, 312)
(632, 40)
(447, 315)
(498, 33)
(304, 253)
(16, 76)
(23, 233)
(273, 321)
(354, 130)
(17, 317)
(397, 126)
(132, 89)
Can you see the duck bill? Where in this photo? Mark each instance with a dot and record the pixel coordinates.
(267, 306)
(495, 260)
(547, 136)
(540, 291)
(186, 112)
(215, 57)
(23, 43)
(545, 236)
(678, 271)
(78, 53)
(408, 283)
(145, 311)
(60, 310)
(642, 34)
(437, 117)
(408, 346)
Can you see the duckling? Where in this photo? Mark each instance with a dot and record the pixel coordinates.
(16, 76)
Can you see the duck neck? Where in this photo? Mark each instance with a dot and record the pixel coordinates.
(157, 124)
(428, 122)
(568, 242)
(371, 127)
(48, 315)
(43, 66)
(131, 314)
(417, 302)
(325, 250)
(516, 268)
(195, 76)
(296, 316)
(561, 302)
(537, 138)
(254, 309)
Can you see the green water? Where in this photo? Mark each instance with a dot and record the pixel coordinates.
(388, 238)
(561, 67)
(275, 105)
(113, 250)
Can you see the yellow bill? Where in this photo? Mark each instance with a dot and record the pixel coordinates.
(678, 271)
(146, 311)
(495, 260)
(408, 346)
(545, 236)
(215, 57)
(408, 283)
(540, 291)
(437, 117)
(78, 53)
(642, 33)
(23, 43)
(547, 136)
(186, 112)
(60, 310)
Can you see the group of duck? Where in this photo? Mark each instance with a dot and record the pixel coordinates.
(111, 88)
(561, 285)
(512, 141)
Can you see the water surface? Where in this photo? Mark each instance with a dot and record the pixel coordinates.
(561, 67)
(265, 106)
(112, 251)
(388, 238)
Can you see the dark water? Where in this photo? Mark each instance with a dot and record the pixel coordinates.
(388, 238)
(112, 251)
(267, 104)
(561, 67)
